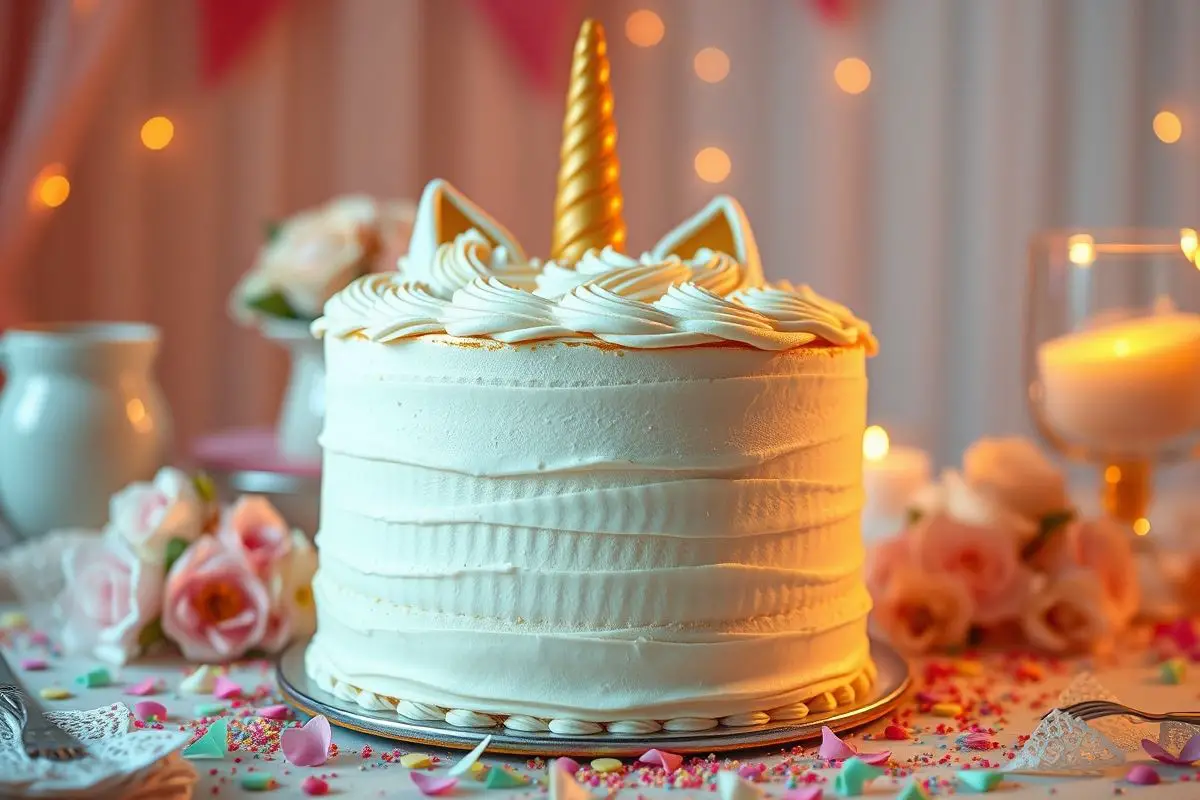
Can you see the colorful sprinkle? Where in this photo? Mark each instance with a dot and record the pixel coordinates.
(896, 733)
(1172, 671)
(314, 786)
(258, 782)
(946, 709)
(55, 693)
(34, 664)
(415, 760)
(606, 765)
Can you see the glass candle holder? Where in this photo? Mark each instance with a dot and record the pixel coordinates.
(1112, 354)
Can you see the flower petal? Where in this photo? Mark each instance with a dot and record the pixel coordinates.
(307, 746)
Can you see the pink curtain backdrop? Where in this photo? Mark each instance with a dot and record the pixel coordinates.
(912, 201)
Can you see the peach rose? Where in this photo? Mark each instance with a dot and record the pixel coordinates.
(1104, 547)
(149, 515)
(1015, 474)
(216, 607)
(293, 613)
(885, 559)
(1070, 615)
(110, 597)
(253, 527)
(920, 612)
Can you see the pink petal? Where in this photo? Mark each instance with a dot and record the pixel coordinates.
(274, 712)
(833, 748)
(875, 759)
(432, 785)
(307, 746)
(1158, 754)
(146, 687)
(807, 793)
(145, 709)
(567, 765)
(226, 689)
(1191, 751)
(668, 761)
(1142, 775)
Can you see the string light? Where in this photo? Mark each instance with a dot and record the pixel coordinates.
(51, 187)
(1167, 127)
(1081, 250)
(1141, 526)
(852, 75)
(157, 133)
(711, 64)
(713, 165)
(644, 28)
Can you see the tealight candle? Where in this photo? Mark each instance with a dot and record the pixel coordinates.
(1128, 386)
(891, 476)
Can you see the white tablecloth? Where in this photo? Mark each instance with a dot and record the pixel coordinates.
(1013, 684)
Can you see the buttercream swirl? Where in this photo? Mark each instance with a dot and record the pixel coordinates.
(489, 307)
(556, 280)
(701, 312)
(403, 310)
(593, 309)
(469, 256)
(804, 311)
(350, 310)
(719, 273)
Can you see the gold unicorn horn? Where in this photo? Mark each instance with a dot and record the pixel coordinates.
(587, 208)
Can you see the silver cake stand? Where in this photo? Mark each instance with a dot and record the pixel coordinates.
(302, 693)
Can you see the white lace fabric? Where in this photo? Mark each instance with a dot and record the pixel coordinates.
(119, 762)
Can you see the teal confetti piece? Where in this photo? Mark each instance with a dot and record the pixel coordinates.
(854, 776)
(913, 791)
(210, 709)
(503, 778)
(95, 678)
(258, 782)
(212, 744)
(979, 780)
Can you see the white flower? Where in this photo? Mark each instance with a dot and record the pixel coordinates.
(1071, 614)
(922, 611)
(353, 209)
(315, 255)
(962, 502)
(1015, 474)
(149, 515)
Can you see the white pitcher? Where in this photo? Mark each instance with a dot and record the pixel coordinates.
(80, 417)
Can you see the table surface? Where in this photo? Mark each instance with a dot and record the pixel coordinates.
(1019, 688)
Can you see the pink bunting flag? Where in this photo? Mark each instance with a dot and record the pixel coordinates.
(432, 785)
(535, 33)
(226, 689)
(668, 761)
(307, 746)
(1189, 755)
(834, 749)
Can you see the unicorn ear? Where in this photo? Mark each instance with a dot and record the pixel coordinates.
(722, 226)
(443, 213)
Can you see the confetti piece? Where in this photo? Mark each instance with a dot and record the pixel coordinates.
(1143, 775)
(34, 664)
(732, 787)
(277, 712)
(834, 749)
(1172, 671)
(969, 669)
(468, 761)
(314, 786)
(668, 761)
(913, 791)
(210, 709)
(504, 778)
(563, 785)
(149, 711)
(147, 687)
(979, 780)
(201, 681)
(854, 776)
(751, 771)
(606, 765)
(14, 619)
(976, 740)
(307, 746)
(807, 793)
(946, 709)
(1187, 756)
(55, 693)
(567, 764)
(432, 785)
(212, 744)
(39, 638)
(896, 733)
(258, 782)
(96, 678)
(415, 760)
(226, 689)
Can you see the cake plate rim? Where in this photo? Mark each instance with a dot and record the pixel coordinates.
(893, 680)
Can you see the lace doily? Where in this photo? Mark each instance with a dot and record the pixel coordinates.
(116, 760)
(1121, 731)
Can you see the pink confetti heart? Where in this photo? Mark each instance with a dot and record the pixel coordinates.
(807, 793)
(307, 746)
(274, 712)
(225, 689)
(147, 710)
(567, 765)
(1142, 775)
(668, 761)
(834, 749)
(34, 664)
(146, 687)
(432, 785)
(1187, 756)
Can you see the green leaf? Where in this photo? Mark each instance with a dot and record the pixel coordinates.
(272, 229)
(273, 304)
(1048, 526)
(151, 634)
(175, 548)
(205, 487)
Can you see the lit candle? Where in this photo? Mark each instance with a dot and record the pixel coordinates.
(1129, 386)
(891, 477)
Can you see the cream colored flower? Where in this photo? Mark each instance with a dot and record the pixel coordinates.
(921, 611)
(1015, 474)
(1070, 615)
(314, 257)
(954, 497)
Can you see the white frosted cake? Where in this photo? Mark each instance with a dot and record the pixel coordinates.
(593, 494)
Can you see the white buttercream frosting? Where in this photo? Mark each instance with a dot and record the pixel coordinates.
(489, 307)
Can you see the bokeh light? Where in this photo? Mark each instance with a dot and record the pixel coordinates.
(51, 187)
(713, 164)
(644, 28)
(1167, 127)
(157, 133)
(711, 65)
(852, 75)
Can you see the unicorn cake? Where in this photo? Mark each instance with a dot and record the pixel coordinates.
(595, 493)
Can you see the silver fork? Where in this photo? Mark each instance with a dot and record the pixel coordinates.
(41, 737)
(1095, 709)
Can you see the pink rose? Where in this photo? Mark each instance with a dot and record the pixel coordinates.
(149, 515)
(1103, 546)
(920, 612)
(254, 527)
(110, 597)
(1070, 615)
(885, 559)
(982, 558)
(216, 606)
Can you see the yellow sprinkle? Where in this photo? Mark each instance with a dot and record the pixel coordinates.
(477, 771)
(54, 693)
(415, 760)
(14, 619)
(603, 765)
(946, 709)
(971, 669)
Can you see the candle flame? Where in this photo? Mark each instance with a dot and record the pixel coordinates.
(1081, 250)
(875, 443)
(1189, 243)
(1121, 348)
